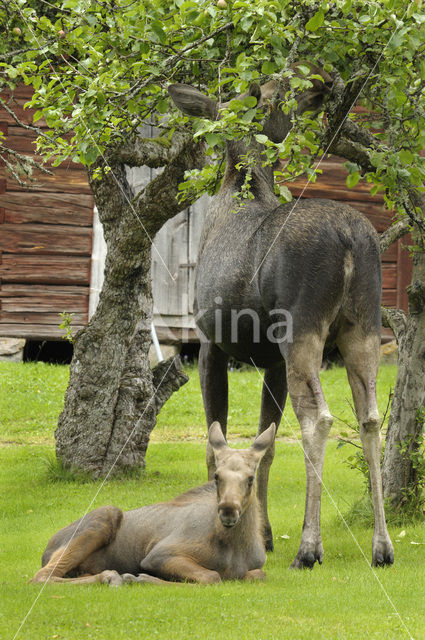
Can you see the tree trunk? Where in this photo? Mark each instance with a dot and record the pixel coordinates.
(113, 397)
(399, 474)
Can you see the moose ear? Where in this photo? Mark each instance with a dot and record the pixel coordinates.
(264, 440)
(193, 102)
(216, 437)
(312, 99)
(255, 91)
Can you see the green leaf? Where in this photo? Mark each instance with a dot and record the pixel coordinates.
(236, 105)
(268, 67)
(316, 21)
(158, 31)
(250, 101)
(261, 138)
(212, 138)
(163, 106)
(406, 156)
(352, 179)
(249, 115)
(284, 193)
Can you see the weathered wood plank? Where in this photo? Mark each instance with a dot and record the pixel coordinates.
(35, 331)
(390, 255)
(45, 239)
(43, 317)
(389, 276)
(30, 215)
(36, 289)
(62, 180)
(15, 200)
(44, 303)
(42, 269)
(389, 297)
(327, 191)
(171, 281)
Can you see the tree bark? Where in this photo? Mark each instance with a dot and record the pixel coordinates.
(399, 475)
(113, 397)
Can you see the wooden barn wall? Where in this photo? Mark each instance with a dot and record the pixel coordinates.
(45, 241)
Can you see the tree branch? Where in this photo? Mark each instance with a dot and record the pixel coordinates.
(157, 202)
(342, 99)
(174, 378)
(396, 320)
(19, 122)
(393, 233)
(22, 165)
(152, 152)
(352, 151)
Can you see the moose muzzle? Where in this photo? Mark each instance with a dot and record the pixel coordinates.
(229, 513)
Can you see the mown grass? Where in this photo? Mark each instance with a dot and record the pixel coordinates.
(342, 599)
(31, 398)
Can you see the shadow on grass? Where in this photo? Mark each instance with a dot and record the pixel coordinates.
(57, 472)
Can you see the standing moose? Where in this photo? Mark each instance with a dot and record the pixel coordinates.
(317, 263)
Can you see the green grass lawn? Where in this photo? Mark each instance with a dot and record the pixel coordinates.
(31, 398)
(342, 599)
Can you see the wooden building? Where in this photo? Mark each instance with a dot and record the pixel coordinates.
(52, 250)
(46, 241)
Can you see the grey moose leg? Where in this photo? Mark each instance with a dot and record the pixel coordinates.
(303, 365)
(272, 405)
(213, 375)
(361, 358)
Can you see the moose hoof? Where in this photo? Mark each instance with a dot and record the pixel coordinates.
(382, 554)
(269, 545)
(128, 578)
(112, 578)
(268, 538)
(305, 559)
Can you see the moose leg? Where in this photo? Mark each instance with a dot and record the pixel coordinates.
(272, 405)
(214, 386)
(71, 546)
(162, 562)
(361, 358)
(303, 365)
(254, 574)
(110, 577)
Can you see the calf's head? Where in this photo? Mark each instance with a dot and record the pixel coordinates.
(235, 472)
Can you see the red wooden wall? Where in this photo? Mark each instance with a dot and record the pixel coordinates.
(45, 241)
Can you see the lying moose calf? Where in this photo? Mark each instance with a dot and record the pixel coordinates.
(210, 533)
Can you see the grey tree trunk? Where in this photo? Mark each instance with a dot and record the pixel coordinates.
(399, 474)
(113, 397)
